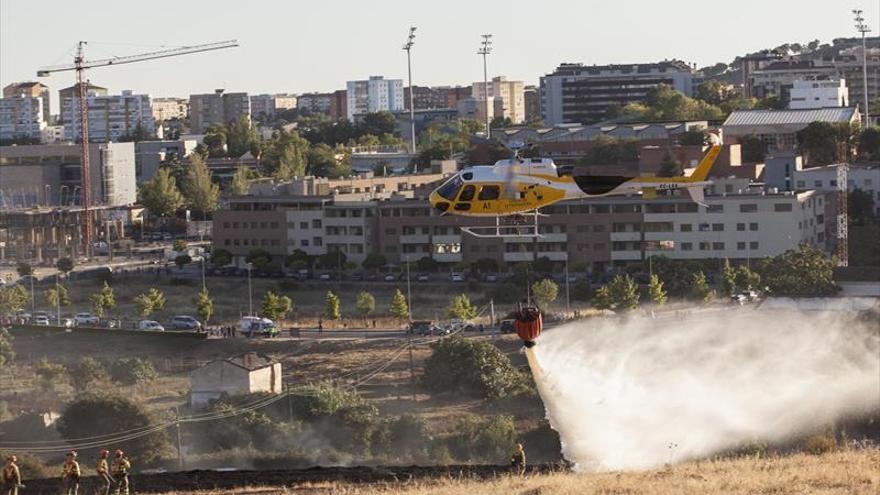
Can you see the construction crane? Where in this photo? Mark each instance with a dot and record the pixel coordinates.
(80, 64)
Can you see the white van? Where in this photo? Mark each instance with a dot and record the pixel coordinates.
(250, 325)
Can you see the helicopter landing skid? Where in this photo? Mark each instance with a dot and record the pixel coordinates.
(507, 227)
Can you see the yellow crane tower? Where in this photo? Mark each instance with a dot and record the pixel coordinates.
(80, 64)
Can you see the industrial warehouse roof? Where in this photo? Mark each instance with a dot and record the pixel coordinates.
(789, 117)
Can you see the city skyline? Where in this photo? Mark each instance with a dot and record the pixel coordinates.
(445, 52)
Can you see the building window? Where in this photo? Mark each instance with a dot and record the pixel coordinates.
(686, 227)
(583, 228)
(820, 219)
(273, 225)
(741, 246)
(225, 225)
(801, 184)
(226, 242)
(274, 242)
(245, 242)
(687, 246)
(817, 183)
(753, 226)
(753, 245)
(599, 228)
(304, 225)
(304, 242)
(748, 208)
(740, 227)
(705, 246)
(717, 227)
(316, 224)
(703, 227)
(781, 207)
(715, 209)
(391, 231)
(718, 246)
(317, 241)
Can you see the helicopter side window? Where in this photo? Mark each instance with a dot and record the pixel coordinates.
(450, 189)
(467, 193)
(488, 193)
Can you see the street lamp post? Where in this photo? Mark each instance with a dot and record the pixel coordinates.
(485, 50)
(863, 28)
(412, 111)
(408, 291)
(250, 291)
(57, 301)
(204, 286)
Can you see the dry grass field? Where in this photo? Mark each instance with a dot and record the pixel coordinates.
(838, 473)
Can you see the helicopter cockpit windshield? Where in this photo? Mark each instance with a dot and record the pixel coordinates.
(450, 189)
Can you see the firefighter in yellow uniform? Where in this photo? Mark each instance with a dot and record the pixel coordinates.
(70, 474)
(11, 479)
(518, 460)
(103, 472)
(121, 466)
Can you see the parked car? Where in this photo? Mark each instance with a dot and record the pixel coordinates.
(85, 320)
(506, 326)
(490, 277)
(182, 322)
(66, 322)
(424, 327)
(166, 236)
(389, 277)
(250, 325)
(325, 276)
(150, 325)
(423, 277)
(41, 320)
(456, 277)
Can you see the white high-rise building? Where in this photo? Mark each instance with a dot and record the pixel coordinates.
(21, 117)
(818, 93)
(511, 93)
(374, 95)
(111, 117)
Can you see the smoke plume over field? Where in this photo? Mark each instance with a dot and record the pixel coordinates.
(640, 393)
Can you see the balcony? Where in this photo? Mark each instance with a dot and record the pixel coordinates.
(447, 257)
(626, 255)
(446, 239)
(626, 236)
(415, 239)
(559, 237)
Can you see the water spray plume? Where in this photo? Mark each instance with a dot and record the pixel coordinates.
(640, 393)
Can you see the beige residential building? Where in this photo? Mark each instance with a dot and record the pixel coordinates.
(33, 90)
(511, 93)
(170, 108)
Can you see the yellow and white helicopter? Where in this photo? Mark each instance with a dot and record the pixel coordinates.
(516, 188)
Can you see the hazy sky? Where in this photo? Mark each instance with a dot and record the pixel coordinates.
(299, 46)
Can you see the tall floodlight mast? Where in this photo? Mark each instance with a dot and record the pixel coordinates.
(412, 111)
(485, 50)
(864, 29)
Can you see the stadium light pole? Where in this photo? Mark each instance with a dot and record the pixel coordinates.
(863, 28)
(485, 50)
(412, 112)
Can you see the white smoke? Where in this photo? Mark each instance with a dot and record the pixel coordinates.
(640, 393)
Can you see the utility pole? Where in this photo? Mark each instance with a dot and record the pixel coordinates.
(863, 28)
(57, 301)
(408, 293)
(179, 447)
(485, 50)
(250, 291)
(412, 111)
(33, 300)
(567, 292)
(412, 373)
(204, 285)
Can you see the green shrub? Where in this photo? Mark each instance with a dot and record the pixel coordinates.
(102, 414)
(51, 374)
(488, 439)
(130, 371)
(86, 372)
(472, 367)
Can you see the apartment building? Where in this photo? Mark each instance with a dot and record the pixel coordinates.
(73, 92)
(511, 94)
(739, 223)
(50, 174)
(577, 93)
(314, 102)
(21, 117)
(818, 94)
(532, 103)
(33, 90)
(111, 117)
(218, 107)
(165, 109)
(375, 94)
